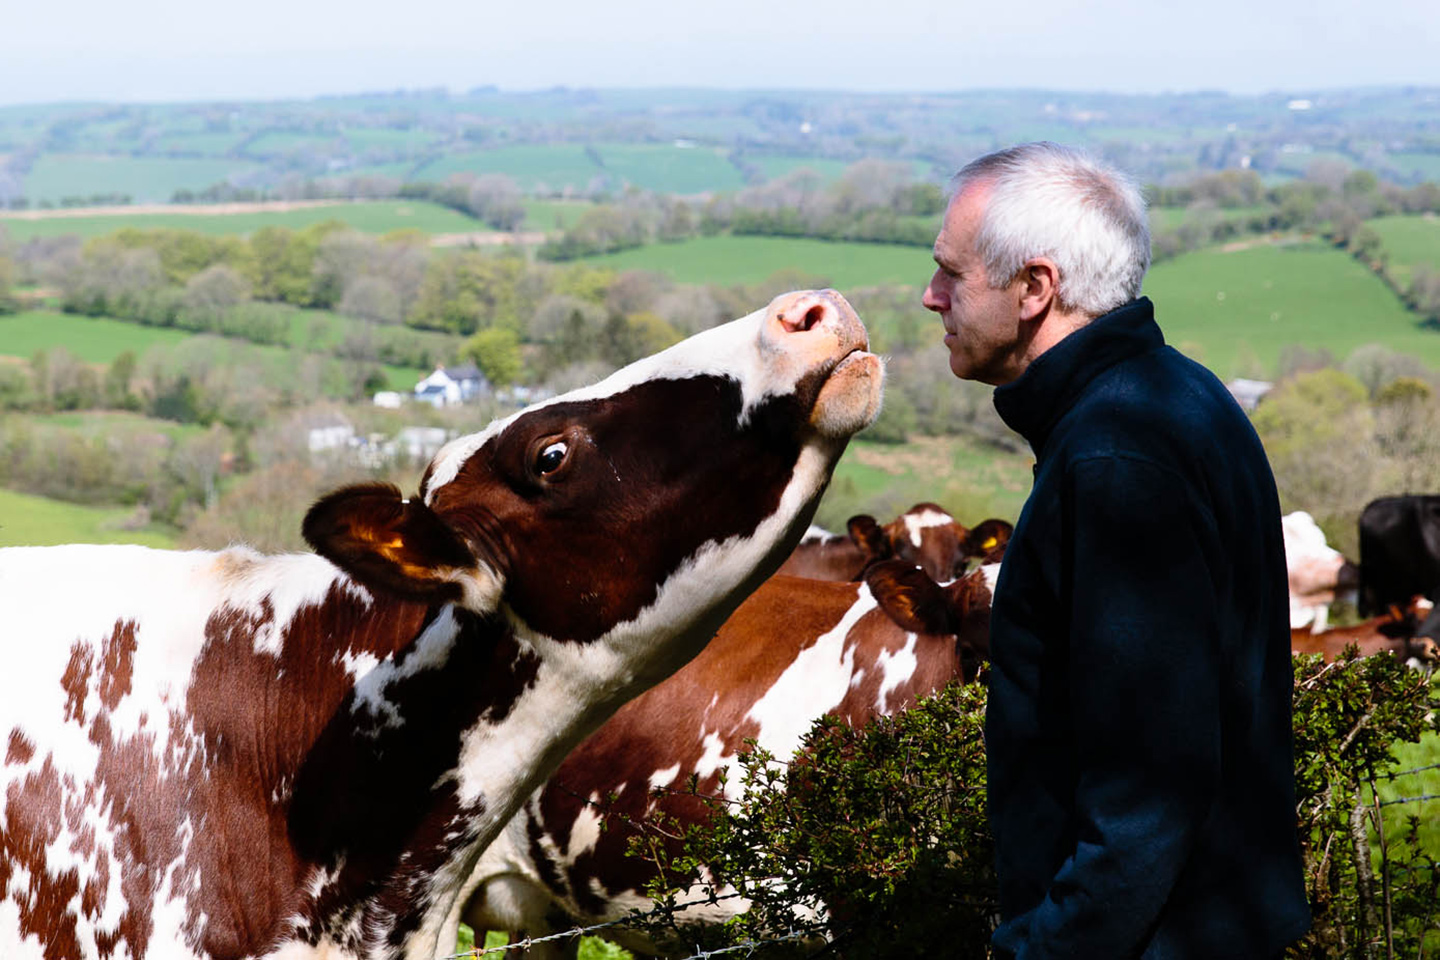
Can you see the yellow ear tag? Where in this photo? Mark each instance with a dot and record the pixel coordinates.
(989, 542)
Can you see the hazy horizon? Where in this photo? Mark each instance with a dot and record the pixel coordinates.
(164, 51)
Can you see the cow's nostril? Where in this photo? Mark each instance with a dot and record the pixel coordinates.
(813, 316)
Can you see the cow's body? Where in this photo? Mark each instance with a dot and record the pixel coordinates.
(1397, 633)
(226, 755)
(794, 651)
(925, 535)
(1318, 573)
(1399, 551)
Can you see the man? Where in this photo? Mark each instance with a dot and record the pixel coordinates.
(1140, 761)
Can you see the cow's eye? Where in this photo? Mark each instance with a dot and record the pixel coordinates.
(551, 457)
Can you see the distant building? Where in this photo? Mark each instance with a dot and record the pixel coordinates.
(451, 385)
(329, 431)
(420, 443)
(390, 399)
(1247, 393)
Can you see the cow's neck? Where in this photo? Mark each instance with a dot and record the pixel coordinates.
(424, 762)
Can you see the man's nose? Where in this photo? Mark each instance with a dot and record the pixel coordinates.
(934, 299)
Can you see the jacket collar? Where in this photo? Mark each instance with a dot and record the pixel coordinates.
(1033, 402)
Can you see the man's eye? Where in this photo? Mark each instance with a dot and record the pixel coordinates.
(551, 457)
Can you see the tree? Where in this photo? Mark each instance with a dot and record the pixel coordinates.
(214, 292)
(371, 298)
(7, 278)
(496, 199)
(496, 351)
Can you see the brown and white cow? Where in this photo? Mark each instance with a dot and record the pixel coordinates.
(1318, 573)
(227, 755)
(794, 651)
(926, 535)
(1394, 633)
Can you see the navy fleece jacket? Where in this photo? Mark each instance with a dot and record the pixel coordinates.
(1138, 730)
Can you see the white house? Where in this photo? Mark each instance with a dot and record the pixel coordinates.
(450, 385)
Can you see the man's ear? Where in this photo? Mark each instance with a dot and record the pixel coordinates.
(399, 546)
(1039, 281)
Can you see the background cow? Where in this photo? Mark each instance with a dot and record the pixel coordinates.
(1398, 632)
(229, 755)
(794, 651)
(1399, 551)
(1318, 573)
(926, 535)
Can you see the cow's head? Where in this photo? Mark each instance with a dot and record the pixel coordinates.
(960, 608)
(663, 493)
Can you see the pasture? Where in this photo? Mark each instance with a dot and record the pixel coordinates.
(92, 339)
(371, 216)
(27, 520)
(1411, 241)
(101, 339)
(145, 179)
(1235, 307)
(971, 479)
(731, 260)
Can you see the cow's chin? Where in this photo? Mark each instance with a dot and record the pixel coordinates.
(850, 399)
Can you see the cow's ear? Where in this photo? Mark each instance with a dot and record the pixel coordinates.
(869, 536)
(987, 536)
(399, 546)
(909, 597)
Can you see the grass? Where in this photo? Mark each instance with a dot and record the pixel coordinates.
(1411, 242)
(145, 179)
(729, 260)
(92, 339)
(371, 216)
(114, 422)
(552, 215)
(27, 520)
(549, 166)
(101, 340)
(971, 479)
(1413, 756)
(666, 168)
(1235, 309)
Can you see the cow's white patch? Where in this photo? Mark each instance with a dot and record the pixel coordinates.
(813, 683)
(431, 651)
(663, 778)
(991, 573)
(896, 668)
(917, 523)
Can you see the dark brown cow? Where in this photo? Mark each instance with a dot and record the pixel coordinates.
(794, 651)
(224, 755)
(1394, 633)
(926, 535)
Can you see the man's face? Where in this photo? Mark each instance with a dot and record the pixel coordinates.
(982, 326)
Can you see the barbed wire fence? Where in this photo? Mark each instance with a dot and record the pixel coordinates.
(750, 946)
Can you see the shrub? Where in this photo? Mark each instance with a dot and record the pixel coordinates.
(876, 840)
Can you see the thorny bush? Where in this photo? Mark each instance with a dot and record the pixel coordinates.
(875, 841)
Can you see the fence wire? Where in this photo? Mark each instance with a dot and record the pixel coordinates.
(750, 946)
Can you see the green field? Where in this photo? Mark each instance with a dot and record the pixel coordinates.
(1411, 242)
(1223, 308)
(92, 339)
(729, 259)
(373, 216)
(971, 479)
(27, 520)
(101, 340)
(145, 179)
(551, 167)
(114, 423)
(666, 168)
(552, 215)
(1168, 218)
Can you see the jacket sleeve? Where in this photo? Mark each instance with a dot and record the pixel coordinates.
(1144, 694)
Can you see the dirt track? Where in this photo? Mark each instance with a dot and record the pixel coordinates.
(193, 209)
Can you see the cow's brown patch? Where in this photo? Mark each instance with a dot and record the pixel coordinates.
(117, 663)
(20, 749)
(632, 457)
(75, 681)
(33, 818)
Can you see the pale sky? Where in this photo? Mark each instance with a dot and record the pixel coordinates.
(173, 50)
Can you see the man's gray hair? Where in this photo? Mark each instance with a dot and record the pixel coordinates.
(1051, 201)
